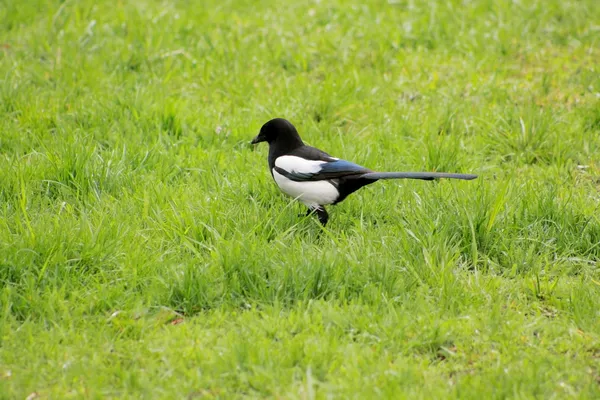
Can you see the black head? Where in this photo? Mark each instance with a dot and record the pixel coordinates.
(278, 130)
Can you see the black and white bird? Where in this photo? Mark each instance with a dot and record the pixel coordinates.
(314, 177)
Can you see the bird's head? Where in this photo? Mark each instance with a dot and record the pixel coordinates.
(277, 130)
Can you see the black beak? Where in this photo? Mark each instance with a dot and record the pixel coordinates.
(257, 139)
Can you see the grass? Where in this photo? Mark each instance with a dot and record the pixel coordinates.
(146, 253)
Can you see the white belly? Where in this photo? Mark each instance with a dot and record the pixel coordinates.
(310, 193)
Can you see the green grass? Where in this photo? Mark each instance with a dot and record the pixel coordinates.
(146, 253)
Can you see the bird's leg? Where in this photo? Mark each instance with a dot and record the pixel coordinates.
(321, 214)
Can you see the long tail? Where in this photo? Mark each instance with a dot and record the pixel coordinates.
(427, 176)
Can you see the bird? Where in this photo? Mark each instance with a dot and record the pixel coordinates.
(317, 179)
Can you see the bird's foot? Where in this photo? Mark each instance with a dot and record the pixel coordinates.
(321, 214)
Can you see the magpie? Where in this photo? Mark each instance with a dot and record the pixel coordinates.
(317, 179)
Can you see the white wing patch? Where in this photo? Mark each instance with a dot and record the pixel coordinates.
(311, 193)
(298, 164)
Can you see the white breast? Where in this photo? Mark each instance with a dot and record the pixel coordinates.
(310, 193)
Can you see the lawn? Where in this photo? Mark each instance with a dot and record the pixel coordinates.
(145, 251)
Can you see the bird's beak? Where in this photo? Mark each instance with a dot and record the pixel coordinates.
(257, 139)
